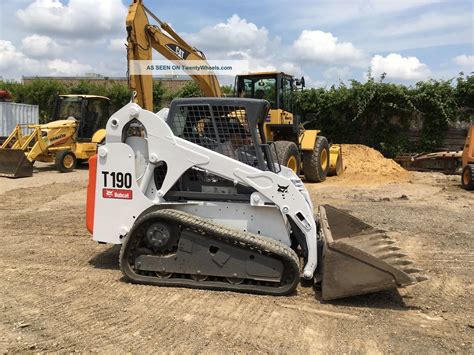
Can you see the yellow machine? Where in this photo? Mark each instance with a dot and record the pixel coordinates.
(301, 150)
(142, 38)
(467, 177)
(294, 146)
(77, 127)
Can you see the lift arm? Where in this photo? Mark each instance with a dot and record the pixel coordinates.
(143, 37)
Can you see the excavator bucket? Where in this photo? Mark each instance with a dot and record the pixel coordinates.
(14, 164)
(359, 259)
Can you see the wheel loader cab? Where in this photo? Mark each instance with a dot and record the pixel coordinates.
(277, 89)
(90, 111)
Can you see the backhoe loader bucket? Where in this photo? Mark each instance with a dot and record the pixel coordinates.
(359, 259)
(13, 163)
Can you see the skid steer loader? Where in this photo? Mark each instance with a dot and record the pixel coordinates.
(77, 127)
(195, 200)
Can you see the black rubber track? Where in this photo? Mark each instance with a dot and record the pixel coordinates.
(291, 273)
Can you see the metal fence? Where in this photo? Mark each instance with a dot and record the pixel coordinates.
(12, 114)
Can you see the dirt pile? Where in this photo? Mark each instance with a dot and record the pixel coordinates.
(366, 166)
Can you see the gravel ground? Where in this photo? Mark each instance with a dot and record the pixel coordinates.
(63, 292)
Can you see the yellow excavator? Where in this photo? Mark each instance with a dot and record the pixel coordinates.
(77, 127)
(304, 151)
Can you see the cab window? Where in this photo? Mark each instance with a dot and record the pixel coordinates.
(285, 94)
(259, 88)
(69, 108)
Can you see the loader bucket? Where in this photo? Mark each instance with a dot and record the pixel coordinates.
(13, 163)
(359, 259)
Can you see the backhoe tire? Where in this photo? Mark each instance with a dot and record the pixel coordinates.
(316, 163)
(65, 161)
(467, 177)
(287, 154)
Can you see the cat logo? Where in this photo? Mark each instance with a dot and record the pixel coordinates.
(283, 189)
(180, 52)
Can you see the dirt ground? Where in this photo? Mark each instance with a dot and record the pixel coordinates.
(60, 291)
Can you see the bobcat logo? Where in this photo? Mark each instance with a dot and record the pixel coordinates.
(283, 189)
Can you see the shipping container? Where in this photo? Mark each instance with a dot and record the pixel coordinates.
(12, 114)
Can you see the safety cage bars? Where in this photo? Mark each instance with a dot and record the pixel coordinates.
(225, 127)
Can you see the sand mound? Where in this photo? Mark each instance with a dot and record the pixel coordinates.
(366, 166)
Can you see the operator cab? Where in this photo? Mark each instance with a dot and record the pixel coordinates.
(91, 112)
(274, 87)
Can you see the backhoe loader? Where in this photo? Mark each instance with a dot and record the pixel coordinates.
(293, 146)
(467, 175)
(77, 127)
(195, 199)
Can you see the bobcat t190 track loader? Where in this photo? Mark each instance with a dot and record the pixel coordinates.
(196, 201)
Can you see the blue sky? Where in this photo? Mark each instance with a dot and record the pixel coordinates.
(326, 41)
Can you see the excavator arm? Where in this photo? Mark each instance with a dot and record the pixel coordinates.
(142, 38)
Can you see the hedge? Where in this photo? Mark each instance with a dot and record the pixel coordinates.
(380, 114)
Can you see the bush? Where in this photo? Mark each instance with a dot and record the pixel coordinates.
(380, 114)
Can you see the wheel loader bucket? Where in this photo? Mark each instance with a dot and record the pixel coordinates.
(336, 164)
(14, 164)
(359, 259)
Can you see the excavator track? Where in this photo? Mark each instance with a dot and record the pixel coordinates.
(256, 264)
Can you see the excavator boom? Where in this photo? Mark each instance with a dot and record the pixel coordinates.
(142, 38)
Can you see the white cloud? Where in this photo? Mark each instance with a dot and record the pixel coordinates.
(399, 68)
(324, 48)
(77, 18)
(67, 68)
(464, 60)
(40, 46)
(117, 44)
(17, 64)
(12, 60)
(236, 34)
(337, 73)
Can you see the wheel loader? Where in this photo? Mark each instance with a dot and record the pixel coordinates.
(294, 146)
(467, 175)
(195, 199)
(77, 127)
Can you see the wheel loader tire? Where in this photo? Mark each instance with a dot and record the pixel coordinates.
(316, 163)
(288, 155)
(65, 161)
(467, 177)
